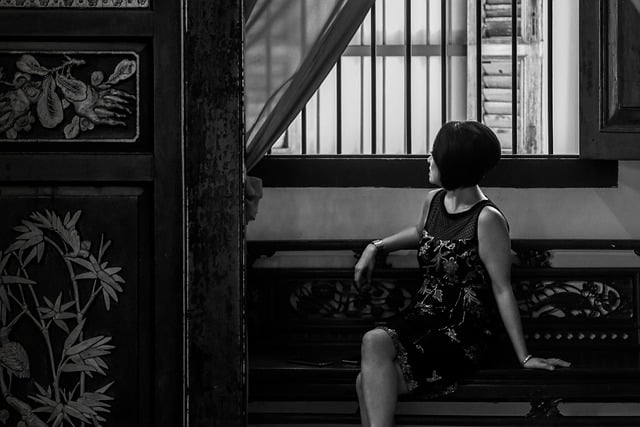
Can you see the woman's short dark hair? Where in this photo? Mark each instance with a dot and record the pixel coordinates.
(464, 152)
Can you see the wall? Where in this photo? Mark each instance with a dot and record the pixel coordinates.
(362, 213)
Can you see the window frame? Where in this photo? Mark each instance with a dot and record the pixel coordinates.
(409, 171)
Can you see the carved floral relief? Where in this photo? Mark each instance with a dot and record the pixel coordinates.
(73, 386)
(47, 96)
(336, 299)
(578, 299)
(537, 299)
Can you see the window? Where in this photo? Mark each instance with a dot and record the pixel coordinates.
(371, 126)
(415, 91)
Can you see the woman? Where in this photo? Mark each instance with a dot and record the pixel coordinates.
(464, 253)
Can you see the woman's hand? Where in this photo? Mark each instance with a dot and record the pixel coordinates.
(548, 364)
(364, 266)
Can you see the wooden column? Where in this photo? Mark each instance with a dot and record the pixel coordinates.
(214, 155)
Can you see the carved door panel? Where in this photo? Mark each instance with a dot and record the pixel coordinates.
(90, 213)
(610, 80)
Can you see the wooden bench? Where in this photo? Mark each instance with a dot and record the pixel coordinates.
(305, 325)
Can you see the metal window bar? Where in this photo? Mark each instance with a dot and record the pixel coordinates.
(318, 122)
(339, 106)
(361, 105)
(514, 77)
(407, 76)
(443, 57)
(549, 77)
(428, 76)
(479, 76)
(268, 56)
(361, 62)
(373, 79)
(303, 35)
(383, 101)
(303, 142)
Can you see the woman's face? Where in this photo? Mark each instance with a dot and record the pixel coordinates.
(434, 172)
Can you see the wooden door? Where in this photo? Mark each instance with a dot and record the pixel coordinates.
(91, 259)
(610, 80)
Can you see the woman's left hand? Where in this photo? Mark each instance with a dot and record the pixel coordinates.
(548, 364)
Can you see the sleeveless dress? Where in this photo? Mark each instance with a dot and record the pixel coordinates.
(445, 331)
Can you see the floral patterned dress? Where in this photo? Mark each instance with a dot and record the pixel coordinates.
(444, 333)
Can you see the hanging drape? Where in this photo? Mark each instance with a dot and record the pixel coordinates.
(290, 47)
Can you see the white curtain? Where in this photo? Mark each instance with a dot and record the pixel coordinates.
(290, 47)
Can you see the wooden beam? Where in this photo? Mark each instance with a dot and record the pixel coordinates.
(214, 154)
(411, 172)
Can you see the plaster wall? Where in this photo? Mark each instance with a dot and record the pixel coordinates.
(363, 213)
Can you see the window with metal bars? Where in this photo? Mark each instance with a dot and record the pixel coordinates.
(415, 64)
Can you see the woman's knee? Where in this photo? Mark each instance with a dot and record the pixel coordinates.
(359, 383)
(377, 342)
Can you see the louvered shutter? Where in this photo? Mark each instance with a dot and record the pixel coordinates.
(497, 82)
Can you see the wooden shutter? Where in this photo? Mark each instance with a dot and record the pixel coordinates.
(496, 69)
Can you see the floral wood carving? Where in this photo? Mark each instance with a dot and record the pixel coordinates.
(70, 396)
(48, 102)
(575, 299)
(342, 299)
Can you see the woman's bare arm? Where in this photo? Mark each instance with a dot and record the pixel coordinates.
(404, 239)
(494, 248)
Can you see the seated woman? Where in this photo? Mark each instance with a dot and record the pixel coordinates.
(464, 253)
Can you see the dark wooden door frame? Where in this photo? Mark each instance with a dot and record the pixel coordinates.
(169, 231)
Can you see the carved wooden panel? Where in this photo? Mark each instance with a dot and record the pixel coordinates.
(73, 95)
(610, 80)
(575, 307)
(91, 121)
(340, 299)
(74, 305)
(574, 298)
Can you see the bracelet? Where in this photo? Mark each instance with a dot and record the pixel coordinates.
(378, 244)
(526, 359)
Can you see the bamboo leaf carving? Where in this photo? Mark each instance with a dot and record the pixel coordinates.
(16, 280)
(81, 356)
(73, 336)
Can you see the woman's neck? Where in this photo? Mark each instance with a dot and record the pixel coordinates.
(461, 199)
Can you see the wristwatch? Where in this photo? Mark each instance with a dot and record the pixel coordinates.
(378, 244)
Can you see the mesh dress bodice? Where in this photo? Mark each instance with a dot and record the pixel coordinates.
(444, 332)
(456, 287)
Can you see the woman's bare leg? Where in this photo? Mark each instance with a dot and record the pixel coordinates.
(364, 417)
(381, 378)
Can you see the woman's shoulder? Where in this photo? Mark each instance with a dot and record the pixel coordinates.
(492, 218)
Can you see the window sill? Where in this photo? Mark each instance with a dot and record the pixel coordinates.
(410, 172)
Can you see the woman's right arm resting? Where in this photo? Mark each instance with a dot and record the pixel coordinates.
(405, 239)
